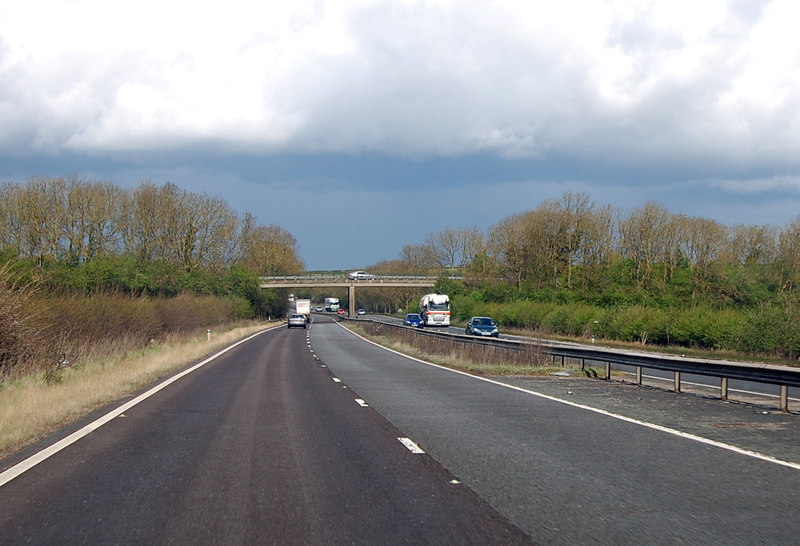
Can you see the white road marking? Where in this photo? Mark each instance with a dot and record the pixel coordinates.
(654, 426)
(361, 403)
(412, 447)
(48, 452)
(337, 380)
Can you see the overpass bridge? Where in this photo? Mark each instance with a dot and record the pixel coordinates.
(324, 281)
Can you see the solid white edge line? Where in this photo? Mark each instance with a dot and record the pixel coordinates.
(687, 435)
(411, 446)
(48, 452)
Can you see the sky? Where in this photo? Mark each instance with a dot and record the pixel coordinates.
(361, 126)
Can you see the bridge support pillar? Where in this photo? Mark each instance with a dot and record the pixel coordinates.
(351, 297)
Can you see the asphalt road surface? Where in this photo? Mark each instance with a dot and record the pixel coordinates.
(293, 438)
(568, 474)
(259, 446)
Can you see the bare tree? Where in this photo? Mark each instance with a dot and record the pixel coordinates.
(446, 247)
(750, 244)
(271, 250)
(419, 257)
(788, 257)
(643, 239)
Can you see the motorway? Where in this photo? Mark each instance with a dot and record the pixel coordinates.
(293, 438)
(260, 446)
(737, 389)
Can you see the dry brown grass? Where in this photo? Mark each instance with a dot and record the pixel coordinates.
(34, 405)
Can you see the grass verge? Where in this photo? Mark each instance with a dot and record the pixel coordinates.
(32, 406)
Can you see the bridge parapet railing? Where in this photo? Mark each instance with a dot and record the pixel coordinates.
(377, 278)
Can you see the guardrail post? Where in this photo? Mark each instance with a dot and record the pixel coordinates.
(677, 381)
(723, 388)
(608, 370)
(638, 375)
(784, 398)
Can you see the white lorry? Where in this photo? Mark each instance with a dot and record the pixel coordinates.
(435, 310)
(303, 307)
(331, 304)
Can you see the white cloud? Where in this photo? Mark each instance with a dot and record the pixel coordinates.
(623, 78)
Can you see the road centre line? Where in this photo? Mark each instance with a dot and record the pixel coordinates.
(686, 435)
(49, 451)
(361, 403)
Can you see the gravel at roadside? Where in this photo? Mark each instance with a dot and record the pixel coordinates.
(750, 424)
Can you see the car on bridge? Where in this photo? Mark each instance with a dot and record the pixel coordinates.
(360, 276)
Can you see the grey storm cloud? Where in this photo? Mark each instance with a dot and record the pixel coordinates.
(515, 79)
(361, 107)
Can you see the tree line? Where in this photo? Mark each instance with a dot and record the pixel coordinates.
(572, 267)
(77, 221)
(87, 267)
(572, 248)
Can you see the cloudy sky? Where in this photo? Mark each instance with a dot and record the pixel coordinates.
(361, 126)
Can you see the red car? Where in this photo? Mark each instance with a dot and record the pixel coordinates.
(341, 312)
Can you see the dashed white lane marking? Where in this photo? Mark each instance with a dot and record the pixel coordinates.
(361, 403)
(667, 430)
(337, 380)
(412, 447)
(48, 452)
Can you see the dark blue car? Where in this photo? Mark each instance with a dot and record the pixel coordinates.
(413, 319)
(482, 326)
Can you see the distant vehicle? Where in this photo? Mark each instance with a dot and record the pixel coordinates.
(482, 326)
(340, 312)
(360, 276)
(362, 312)
(435, 310)
(331, 304)
(303, 307)
(318, 309)
(413, 319)
(296, 320)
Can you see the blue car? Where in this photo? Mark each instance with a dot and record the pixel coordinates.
(413, 319)
(482, 326)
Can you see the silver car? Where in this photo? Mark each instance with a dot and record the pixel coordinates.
(360, 276)
(296, 320)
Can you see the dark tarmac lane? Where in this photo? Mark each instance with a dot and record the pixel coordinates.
(260, 446)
